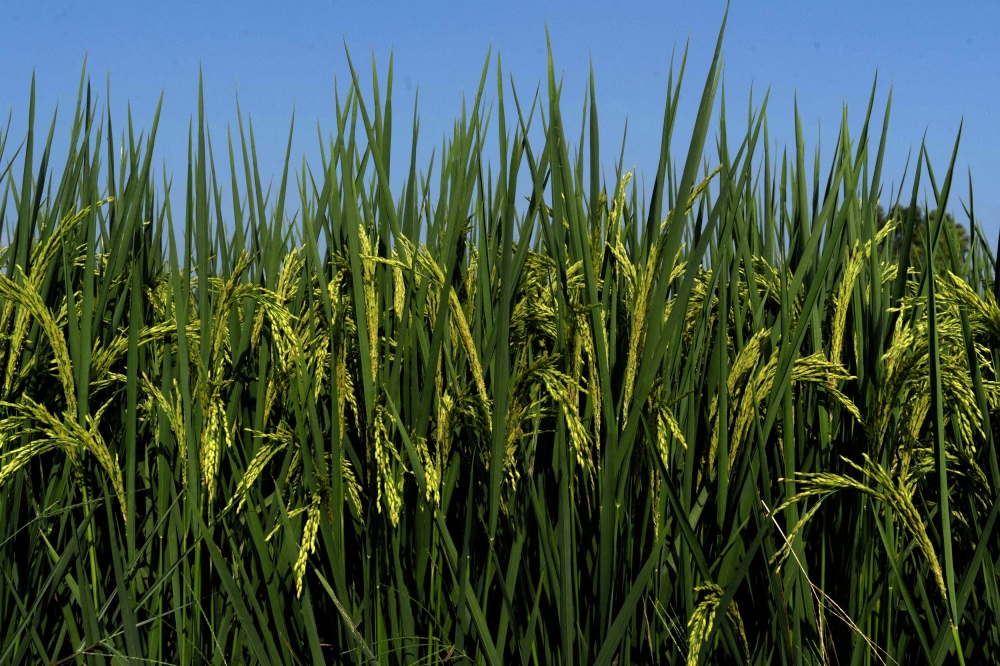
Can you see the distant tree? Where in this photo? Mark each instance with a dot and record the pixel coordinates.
(920, 240)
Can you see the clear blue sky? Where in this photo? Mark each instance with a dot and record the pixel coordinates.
(943, 60)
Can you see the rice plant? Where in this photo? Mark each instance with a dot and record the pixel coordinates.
(466, 420)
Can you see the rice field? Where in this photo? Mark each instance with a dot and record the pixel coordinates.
(523, 411)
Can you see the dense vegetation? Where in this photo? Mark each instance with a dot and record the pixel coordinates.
(469, 420)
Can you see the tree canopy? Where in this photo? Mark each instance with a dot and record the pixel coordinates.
(954, 238)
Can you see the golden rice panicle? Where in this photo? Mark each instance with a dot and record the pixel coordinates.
(308, 546)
